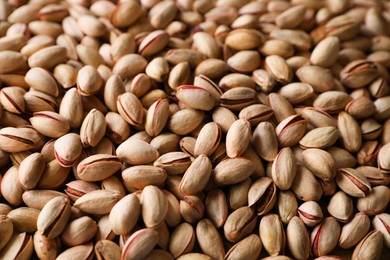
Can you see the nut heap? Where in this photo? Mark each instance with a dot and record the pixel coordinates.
(194, 129)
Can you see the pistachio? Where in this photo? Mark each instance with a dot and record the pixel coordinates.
(232, 170)
(182, 240)
(324, 236)
(239, 224)
(154, 206)
(284, 169)
(135, 151)
(84, 251)
(24, 219)
(44, 247)
(53, 217)
(321, 137)
(107, 250)
(6, 228)
(353, 231)
(375, 201)
(353, 182)
(381, 223)
(358, 73)
(369, 247)
(306, 186)
(209, 239)
(340, 206)
(310, 213)
(97, 202)
(30, 170)
(265, 141)
(298, 239)
(237, 138)
(248, 248)
(320, 163)
(196, 176)
(287, 206)
(98, 167)
(67, 149)
(262, 195)
(79, 231)
(195, 97)
(272, 234)
(19, 246)
(291, 130)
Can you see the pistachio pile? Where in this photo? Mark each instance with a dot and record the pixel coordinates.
(194, 129)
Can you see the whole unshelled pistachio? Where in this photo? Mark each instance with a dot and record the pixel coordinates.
(272, 234)
(370, 247)
(324, 236)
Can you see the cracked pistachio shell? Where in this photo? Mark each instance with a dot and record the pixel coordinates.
(310, 212)
(53, 217)
(107, 250)
(192, 208)
(182, 240)
(262, 195)
(20, 246)
(239, 224)
(98, 167)
(140, 244)
(375, 202)
(19, 139)
(6, 229)
(352, 182)
(381, 222)
(93, 128)
(130, 108)
(291, 130)
(173, 162)
(324, 236)
(157, 117)
(196, 176)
